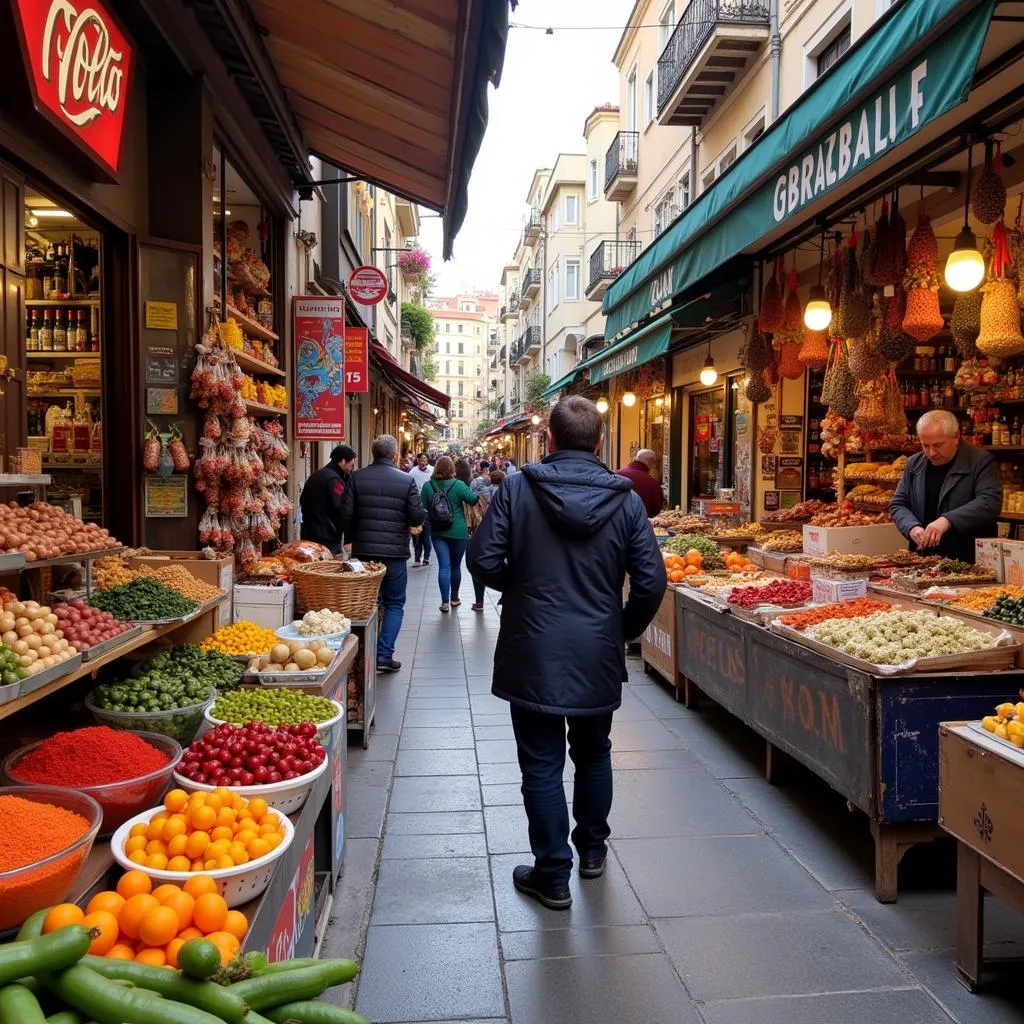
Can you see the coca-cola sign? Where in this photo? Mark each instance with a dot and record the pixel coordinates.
(79, 62)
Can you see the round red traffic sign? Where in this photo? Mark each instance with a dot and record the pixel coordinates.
(367, 285)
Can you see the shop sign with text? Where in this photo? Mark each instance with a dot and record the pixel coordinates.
(368, 285)
(319, 332)
(357, 345)
(79, 62)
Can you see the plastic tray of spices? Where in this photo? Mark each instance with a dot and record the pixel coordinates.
(91, 653)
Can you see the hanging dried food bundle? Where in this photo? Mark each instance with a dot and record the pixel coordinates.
(988, 198)
(866, 361)
(771, 371)
(895, 414)
(893, 344)
(790, 365)
(999, 334)
(759, 353)
(922, 319)
(814, 349)
(834, 290)
(772, 311)
(792, 316)
(870, 412)
(923, 248)
(854, 307)
(887, 264)
(872, 264)
(756, 390)
(843, 396)
(151, 449)
(965, 323)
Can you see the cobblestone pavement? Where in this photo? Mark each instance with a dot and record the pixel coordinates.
(726, 900)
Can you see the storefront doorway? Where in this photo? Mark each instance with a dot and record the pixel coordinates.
(710, 467)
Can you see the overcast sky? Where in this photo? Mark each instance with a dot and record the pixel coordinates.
(548, 86)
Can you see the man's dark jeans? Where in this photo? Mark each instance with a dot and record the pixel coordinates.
(540, 740)
(391, 605)
(421, 542)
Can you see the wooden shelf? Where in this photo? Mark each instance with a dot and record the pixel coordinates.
(62, 355)
(58, 303)
(1003, 447)
(1017, 517)
(925, 373)
(65, 393)
(254, 365)
(24, 479)
(1005, 401)
(254, 327)
(259, 409)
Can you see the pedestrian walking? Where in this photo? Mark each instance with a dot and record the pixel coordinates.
(421, 472)
(481, 482)
(486, 493)
(380, 508)
(321, 499)
(463, 472)
(640, 473)
(558, 541)
(443, 497)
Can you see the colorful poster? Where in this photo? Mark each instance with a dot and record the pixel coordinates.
(319, 331)
(357, 344)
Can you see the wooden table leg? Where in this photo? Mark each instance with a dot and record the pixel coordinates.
(776, 764)
(691, 694)
(970, 917)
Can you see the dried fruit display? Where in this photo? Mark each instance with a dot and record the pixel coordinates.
(783, 542)
(858, 609)
(847, 515)
(841, 560)
(778, 593)
(681, 521)
(799, 513)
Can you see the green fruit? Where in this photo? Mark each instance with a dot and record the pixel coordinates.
(199, 958)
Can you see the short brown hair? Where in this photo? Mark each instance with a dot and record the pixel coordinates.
(575, 424)
(497, 476)
(444, 469)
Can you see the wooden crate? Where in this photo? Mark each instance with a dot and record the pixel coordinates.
(658, 643)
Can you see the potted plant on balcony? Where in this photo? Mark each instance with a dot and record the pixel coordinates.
(414, 264)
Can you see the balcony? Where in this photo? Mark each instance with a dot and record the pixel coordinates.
(706, 55)
(607, 261)
(531, 226)
(527, 345)
(511, 308)
(530, 286)
(620, 166)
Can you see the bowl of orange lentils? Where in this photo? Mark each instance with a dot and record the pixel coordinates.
(149, 924)
(233, 840)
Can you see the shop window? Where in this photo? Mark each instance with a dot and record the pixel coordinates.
(834, 50)
(707, 443)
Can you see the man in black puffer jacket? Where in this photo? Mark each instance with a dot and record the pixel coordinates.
(558, 541)
(380, 506)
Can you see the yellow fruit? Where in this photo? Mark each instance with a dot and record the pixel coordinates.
(1004, 709)
(989, 723)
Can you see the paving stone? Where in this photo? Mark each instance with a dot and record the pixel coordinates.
(506, 829)
(440, 690)
(708, 950)
(433, 891)
(416, 794)
(416, 703)
(480, 684)
(492, 732)
(643, 736)
(371, 773)
(608, 900)
(631, 760)
(606, 940)
(728, 749)
(432, 972)
(409, 847)
(389, 717)
(364, 811)
(506, 793)
(383, 747)
(633, 711)
(485, 721)
(900, 1006)
(584, 990)
(488, 704)
(436, 738)
(435, 823)
(446, 719)
(499, 773)
(492, 751)
(350, 910)
(1000, 1002)
(436, 762)
(686, 876)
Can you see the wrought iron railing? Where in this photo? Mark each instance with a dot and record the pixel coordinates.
(621, 156)
(532, 222)
(610, 258)
(531, 279)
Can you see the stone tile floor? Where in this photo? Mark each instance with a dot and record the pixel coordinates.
(726, 900)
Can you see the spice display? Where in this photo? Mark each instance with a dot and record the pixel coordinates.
(782, 541)
(322, 623)
(251, 830)
(143, 600)
(42, 531)
(858, 609)
(843, 561)
(31, 630)
(93, 756)
(297, 656)
(980, 599)
(946, 572)
(84, 626)
(892, 638)
(847, 515)
(777, 592)
(1007, 723)
(272, 706)
(113, 570)
(681, 543)
(801, 512)
(242, 637)
(33, 831)
(253, 754)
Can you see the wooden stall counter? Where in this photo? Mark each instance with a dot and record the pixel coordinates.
(658, 643)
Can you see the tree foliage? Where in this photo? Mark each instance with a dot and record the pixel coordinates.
(536, 385)
(420, 323)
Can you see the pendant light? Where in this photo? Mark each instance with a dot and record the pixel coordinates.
(628, 399)
(965, 267)
(602, 405)
(709, 374)
(535, 420)
(818, 311)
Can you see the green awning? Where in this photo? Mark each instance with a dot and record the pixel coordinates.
(640, 347)
(841, 125)
(563, 382)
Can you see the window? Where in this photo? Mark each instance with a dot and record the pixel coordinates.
(460, 328)
(461, 348)
(467, 307)
(386, 255)
(666, 26)
(461, 386)
(665, 211)
(834, 50)
(631, 102)
(554, 220)
(476, 330)
(631, 235)
(447, 367)
(553, 286)
(478, 350)
(592, 181)
(447, 387)
(708, 178)
(447, 344)
(649, 99)
(572, 208)
(753, 131)
(462, 368)
(684, 189)
(727, 159)
(447, 327)
(437, 346)
(462, 408)
(572, 280)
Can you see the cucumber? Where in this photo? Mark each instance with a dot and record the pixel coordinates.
(33, 926)
(19, 1006)
(92, 994)
(266, 990)
(66, 1017)
(288, 965)
(204, 995)
(62, 948)
(314, 1013)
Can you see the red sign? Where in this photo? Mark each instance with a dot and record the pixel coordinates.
(357, 345)
(319, 331)
(281, 945)
(367, 285)
(79, 64)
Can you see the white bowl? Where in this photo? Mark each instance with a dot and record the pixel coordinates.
(286, 797)
(291, 632)
(237, 885)
(323, 729)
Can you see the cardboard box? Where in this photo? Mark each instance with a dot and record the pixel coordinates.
(880, 539)
(832, 591)
(267, 606)
(218, 571)
(988, 554)
(1013, 562)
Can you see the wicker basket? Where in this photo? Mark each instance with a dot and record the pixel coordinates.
(329, 585)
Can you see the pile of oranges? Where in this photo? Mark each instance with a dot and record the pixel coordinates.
(735, 562)
(680, 567)
(138, 922)
(205, 832)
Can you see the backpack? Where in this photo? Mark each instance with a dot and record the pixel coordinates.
(440, 510)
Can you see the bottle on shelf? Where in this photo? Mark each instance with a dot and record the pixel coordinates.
(60, 271)
(60, 331)
(46, 332)
(924, 395)
(1015, 431)
(82, 332)
(29, 343)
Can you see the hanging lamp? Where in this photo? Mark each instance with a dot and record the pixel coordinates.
(965, 266)
(818, 311)
(708, 375)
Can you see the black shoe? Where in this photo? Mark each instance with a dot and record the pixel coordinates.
(388, 665)
(593, 867)
(554, 897)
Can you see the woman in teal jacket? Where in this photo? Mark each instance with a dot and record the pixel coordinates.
(449, 544)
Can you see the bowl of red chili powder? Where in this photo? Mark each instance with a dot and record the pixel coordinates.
(45, 836)
(124, 772)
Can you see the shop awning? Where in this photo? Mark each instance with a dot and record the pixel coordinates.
(393, 92)
(651, 341)
(563, 382)
(404, 381)
(909, 69)
(508, 423)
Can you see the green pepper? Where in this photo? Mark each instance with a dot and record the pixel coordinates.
(19, 1006)
(307, 1012)
(266, 990)
(62, 948)
(33, 926)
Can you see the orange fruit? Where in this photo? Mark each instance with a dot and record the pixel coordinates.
(180, 863)
(138, 830)
(223, 938)
(156, 826)
(61, 915)
(211, 910)
(135, 843)
(190, 933)
(157, 861)
(176, 825)
(112, 902)
(176, 800)
(222, 832)
(177, 846)
(171, 951)
(274, 839)
(183, 905)
(198, 864)
(226, 816)
(224, 863)
(199, 885)
(258, 848)
(691, 570)
(258, 807)
(204, 816)
(151, 956)
(106, 924)
(132, 883)
(134, 911)
(159, 926)
(227, 952)
(122, 951)
(138, 857)
(236, 924)
(196, 844)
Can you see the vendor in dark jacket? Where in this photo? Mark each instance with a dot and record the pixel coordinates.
(640, 473)
(380, 508)
(558, 541)
(949, 493)
(322, 496)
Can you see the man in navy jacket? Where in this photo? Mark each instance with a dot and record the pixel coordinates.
(558, 541)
